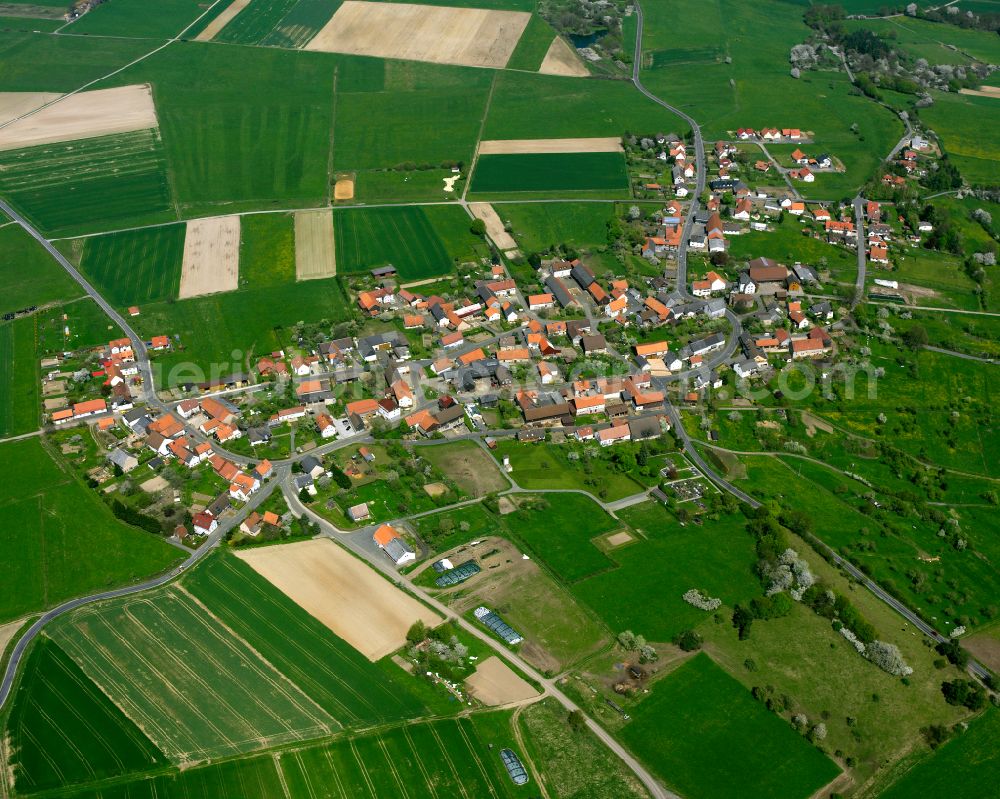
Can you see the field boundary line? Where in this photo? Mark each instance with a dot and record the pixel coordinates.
(333, 137)
(276, 759)
(479, 137)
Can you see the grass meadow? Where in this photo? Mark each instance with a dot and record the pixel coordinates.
(701, 732)
(267, 250)
(19, 378)
(960, 119)
(924, 39)
(341, 680)
(195, 688)
(28, 274)
(59, 541)
(787, 244)
(136, 266)
(90, 184)
(549, 172)
(63, 730)
(419, 242)
(133, 18)
(538, 226)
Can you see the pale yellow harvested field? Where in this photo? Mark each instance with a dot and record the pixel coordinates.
(221, 21)
(84, 116)
(495, 683)
(608, 144)
(985, 91)
(494, 226)
(14, 104)
(315, 255)
(618, 539)
(561, 59)
(7, 633)
(343, 189)
(472, 37)
(211, 256)
(346, 595)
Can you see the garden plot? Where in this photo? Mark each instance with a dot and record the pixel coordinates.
(561, 59)
(600, 144)
(84, 115)
(315, 254)
(494, 226)
(211, 256)
(495, 683)
(471, 37)
(342, 592)
(221, 21)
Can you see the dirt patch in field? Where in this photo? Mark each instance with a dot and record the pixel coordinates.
(494, 227)
(315, 254)
(7, 633)
(619, 539)
(985, 91)
(472, 37)
(918, 293)
(154, 484)
(436, 489)
(343, 189)
(15, 104)
(986, 649)
(814, 423)
(473, 470)
(602, 144)
(211, 256)
(561, 59)
(84, 116)
(495, 683)
(342, 592)
(506, 506)
(221, 21)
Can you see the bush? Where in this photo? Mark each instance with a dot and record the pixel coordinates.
(689, 641)
(964, 693)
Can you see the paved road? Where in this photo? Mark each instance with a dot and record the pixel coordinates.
(379, 561)
(859, 223)
(957, 354)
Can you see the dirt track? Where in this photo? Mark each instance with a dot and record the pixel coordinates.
(985, 91)
(221, 21)
(211, 256)
(8, 631)
(342, 592)
(610, 144)
(315, 254)
(85, 115)
(561, 59)
(494, 226)
(495, 683)
(471, 37)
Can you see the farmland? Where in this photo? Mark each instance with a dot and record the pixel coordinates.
(255, 22)
(19, 395)
(419, 242)
(132, 18)
(332, 672)
(549, 172)
(135, 266)
(267, 252)
(78, 186)
(195, 689)
(59, 541)
(532, 46)
(472, 469)
(703, 712)
(957, 120)
(63, 730)
(28, 274)
(537, 226)
(301, 23)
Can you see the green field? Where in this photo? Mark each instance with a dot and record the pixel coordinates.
(91, 184)
(967, 765)
(787, 244)
(559, 534)
(195, 688)
(255, 22)
(136, 266)
(549, 172)
(924, 39)
(533, 45)
(59, 541)
(301, 23)
(537, 226)
(267, 250)
(341, 680)
(701, 732)
(63, 730)
(419, 242)
(133, 18)
(87, 323)
(959, 120)
(28, 274)
(19, 378)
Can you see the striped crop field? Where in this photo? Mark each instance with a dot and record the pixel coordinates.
(136, 266)
(19, 386)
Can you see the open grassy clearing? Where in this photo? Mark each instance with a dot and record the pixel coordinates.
(196, 689)
(133, 18)
(28, 274)
(87, 323)
(466, 463)
(959, 120)
(971, 333)
(419, 242)
(92, 184)
(970, 762)
(63, 730)
(331, 671)
(19, 392)
(786, 244)
(549, 172)
(59, 541)
(942, 274)
(720, 740)
(230, 147)
(135, 266)
(267, 250)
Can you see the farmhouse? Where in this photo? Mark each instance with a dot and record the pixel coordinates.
(393, 545)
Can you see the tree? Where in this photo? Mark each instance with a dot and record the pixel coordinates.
(339, 477)
(688, 641)
(478, 227)
(576, 720)
(742, 621)
(916, 337)
(304, 497)
(964, 693)
(417, 632)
